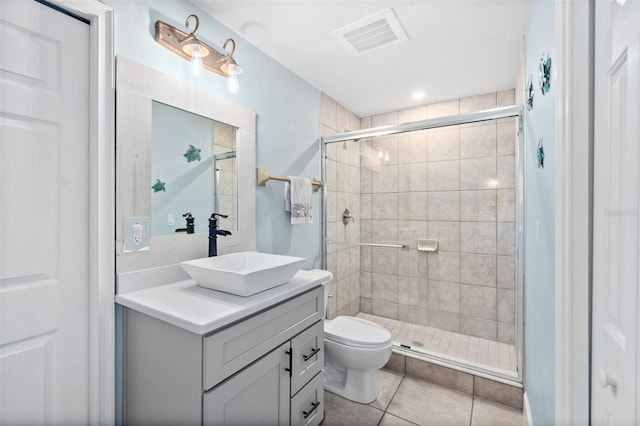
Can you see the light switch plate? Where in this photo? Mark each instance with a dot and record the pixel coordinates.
(137, 232)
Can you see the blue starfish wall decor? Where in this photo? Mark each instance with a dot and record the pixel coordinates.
(540, 154)
(544, 73)
(529, 93)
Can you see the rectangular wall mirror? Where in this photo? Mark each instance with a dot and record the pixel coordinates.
(193, 170)
(180, 149)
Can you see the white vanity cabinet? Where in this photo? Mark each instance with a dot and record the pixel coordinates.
(264, 369)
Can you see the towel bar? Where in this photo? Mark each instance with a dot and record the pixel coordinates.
(263, 176)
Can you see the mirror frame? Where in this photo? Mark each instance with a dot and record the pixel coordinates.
(137, 86)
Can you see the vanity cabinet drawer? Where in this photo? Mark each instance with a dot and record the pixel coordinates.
(307, 407)
(233, 348)
(307, 356)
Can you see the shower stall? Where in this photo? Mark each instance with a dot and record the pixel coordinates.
(423, 230)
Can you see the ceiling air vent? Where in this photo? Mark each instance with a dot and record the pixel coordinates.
(380, 30)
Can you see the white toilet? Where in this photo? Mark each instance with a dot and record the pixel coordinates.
(354, 350)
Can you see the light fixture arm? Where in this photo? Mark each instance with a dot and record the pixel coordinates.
(192, 34)
(233, 46)
(186, 24)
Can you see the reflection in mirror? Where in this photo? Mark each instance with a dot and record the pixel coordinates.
(186, 148)
(225, 184)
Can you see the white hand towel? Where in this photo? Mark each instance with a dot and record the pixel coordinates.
(298, 200)
(287, 197)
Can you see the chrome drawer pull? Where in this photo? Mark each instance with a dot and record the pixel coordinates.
(314, 406)
(313, 352)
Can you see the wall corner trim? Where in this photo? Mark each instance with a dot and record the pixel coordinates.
(572, 213)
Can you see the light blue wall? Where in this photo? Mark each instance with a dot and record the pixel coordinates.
(288, 110)
(539, 217)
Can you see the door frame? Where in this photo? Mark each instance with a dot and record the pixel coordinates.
(101, 206)
(573, 209)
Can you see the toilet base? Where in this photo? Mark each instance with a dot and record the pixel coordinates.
(356, 385)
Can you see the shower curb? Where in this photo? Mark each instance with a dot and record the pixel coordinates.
(467, 382)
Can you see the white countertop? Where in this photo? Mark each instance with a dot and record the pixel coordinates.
(200, 310)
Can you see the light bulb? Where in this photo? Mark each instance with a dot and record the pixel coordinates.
(196, 60)
(232, 83)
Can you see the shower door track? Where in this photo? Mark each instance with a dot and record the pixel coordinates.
(433, 123)
(430, 123)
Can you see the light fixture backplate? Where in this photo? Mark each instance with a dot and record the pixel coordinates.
(173, 39)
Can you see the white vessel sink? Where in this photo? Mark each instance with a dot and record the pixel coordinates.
(244, 273)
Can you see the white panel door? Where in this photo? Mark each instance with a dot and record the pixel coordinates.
(44, 210)
(616, 213)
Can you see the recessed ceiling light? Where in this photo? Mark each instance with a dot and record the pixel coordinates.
(417, 95)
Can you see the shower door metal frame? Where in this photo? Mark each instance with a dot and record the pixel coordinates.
(434, 123)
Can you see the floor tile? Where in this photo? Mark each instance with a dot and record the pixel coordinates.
(426, 404)
(387, 382)
(487, 413)
(391, 420)
(340, 411)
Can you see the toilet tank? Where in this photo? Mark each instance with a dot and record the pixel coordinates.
(327, 290)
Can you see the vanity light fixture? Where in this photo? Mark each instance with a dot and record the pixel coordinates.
(199, 53)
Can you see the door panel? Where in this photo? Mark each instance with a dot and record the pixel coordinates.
(257, 395)
(44, 226)
(29, 249)
(616, 213)
(33, 395)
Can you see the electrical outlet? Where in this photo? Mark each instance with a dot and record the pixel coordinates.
(137, 232)
(171, 220)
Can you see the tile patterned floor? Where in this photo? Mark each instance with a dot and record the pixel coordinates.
(488, 353)
(404, 400)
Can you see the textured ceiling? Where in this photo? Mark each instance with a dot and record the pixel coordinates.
(455, 48)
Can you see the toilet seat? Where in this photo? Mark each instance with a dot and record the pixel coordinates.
(356, 332)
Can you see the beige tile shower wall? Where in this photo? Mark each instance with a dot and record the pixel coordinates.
(343, 192)
(455, 184)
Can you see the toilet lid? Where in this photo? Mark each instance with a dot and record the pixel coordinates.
(356, 332)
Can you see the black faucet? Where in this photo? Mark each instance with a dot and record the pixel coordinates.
(214, 232)
(190, 229)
